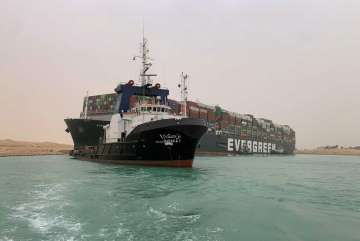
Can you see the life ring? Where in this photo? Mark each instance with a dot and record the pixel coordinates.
(131, 82)
(157, 86)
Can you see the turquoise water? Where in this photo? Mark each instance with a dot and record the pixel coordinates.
(258, 198)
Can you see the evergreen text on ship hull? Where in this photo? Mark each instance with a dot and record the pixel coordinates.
(238, 145)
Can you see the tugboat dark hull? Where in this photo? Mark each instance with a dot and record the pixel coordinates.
(169, 142)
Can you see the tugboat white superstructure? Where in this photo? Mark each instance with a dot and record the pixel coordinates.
(147, 134)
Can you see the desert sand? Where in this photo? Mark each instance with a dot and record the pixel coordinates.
(332, 151)
(23, 148)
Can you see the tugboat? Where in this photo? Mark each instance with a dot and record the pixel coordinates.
(147, 133)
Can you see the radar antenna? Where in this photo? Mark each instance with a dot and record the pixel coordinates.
(86, 105)
(146, 62)
(184, 92)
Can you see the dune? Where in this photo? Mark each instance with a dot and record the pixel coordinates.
(10, 147)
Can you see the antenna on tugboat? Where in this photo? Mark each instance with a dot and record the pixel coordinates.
(145, 60)
(86, 105)
(184, 91)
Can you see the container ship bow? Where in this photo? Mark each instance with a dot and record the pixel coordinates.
(147, 132)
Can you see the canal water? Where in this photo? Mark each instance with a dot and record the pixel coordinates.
(260, 198)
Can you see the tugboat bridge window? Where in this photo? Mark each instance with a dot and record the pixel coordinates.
(157, 109)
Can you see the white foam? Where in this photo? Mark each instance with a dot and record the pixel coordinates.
(215, 230)
(102, 232)
(123, 232)
(159, 214)
(5, 238)
(174, 206)
(191, 218)
(38, 212)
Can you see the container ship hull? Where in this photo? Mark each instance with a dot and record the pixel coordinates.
(218, 144)
(88, 132)
(85, 132)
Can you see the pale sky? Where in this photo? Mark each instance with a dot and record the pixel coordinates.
(296, 62)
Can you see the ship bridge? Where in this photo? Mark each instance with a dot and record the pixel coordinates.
(125, 91)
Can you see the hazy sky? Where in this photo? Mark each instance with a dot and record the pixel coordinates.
(296, 62)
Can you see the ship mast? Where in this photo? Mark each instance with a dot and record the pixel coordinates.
(184, 92)
(145, 78)
(86, 105)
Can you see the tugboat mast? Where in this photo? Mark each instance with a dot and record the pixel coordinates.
(146, 62)
(86, 105)
(184, 92)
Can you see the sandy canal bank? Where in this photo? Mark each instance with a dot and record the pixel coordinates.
(23, 148)
(330, 151)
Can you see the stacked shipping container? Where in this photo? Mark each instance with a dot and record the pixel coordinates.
(100, 104)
